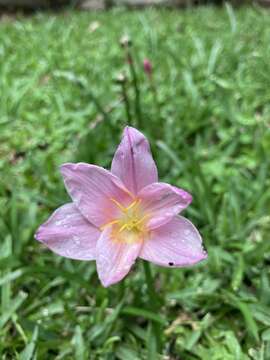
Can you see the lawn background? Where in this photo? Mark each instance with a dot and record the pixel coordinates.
(209, 135)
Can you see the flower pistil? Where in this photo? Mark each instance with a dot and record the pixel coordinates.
(131, 224)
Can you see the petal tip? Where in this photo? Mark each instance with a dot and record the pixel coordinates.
(201, 257)
(107, 282)
(66, 166)
(187, 197)
(204, 255)
(38, 235)
(128, 130)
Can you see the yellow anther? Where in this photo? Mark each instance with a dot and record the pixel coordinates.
(134, 204)
(123, 227)
(130, 224)
(142, 219)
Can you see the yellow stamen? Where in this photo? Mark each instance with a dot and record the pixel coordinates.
(109, 224)
(134, 204)
(142, 219)
(130, 194)
(130, 226)
(121, 207)
(123, 227)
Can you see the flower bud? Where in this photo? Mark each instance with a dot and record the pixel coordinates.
(120, 78)
(125, 41)
(148, 68)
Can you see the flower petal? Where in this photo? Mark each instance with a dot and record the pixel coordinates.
(162, 202)
(133, 162)
(92, 188)
(69, 234)
(176, 244)
(114, 258)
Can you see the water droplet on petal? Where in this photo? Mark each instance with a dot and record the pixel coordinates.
(59, 223)
(76, 240)
(204, 253)
(68, 252)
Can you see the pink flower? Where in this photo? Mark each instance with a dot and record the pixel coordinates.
(119, 215)
(147, 67)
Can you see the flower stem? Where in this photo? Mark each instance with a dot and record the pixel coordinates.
(150, 283)
(127, 104)
(154, 303)
(136, 87)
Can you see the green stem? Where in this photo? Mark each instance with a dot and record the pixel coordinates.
(127, 104)
(83, 84)
(136, 88)
(150, 284)
(154, 302)
(158, 129)
(155, 95)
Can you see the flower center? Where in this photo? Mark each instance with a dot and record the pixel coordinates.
(131, 224)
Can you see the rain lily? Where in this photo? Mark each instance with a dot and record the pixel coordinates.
(119, 215)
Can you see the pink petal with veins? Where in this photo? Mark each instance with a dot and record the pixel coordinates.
(114, 258)
(91, 189)
(176, 244)
(133, 162)
(69, 234)
(162, 202)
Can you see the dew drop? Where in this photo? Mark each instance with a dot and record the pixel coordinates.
(68, 252)
(59, 222)
(204, 253)
(76, 239)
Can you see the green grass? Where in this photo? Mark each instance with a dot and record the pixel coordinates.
(209, 135)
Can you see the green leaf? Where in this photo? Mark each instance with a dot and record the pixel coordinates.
(151, 343)
(130, 310)
(28, 352)
(13, 307)
(266, 335)
(7, 278)
(78, 343)
(246, 312)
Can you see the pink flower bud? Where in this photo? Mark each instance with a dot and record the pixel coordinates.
(147, 67)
